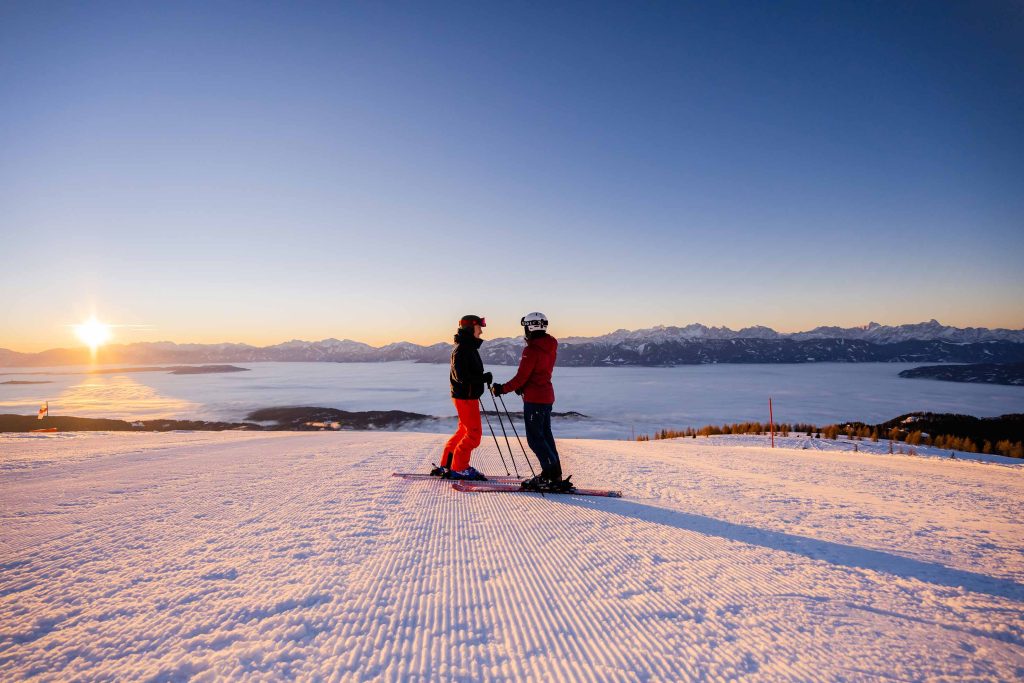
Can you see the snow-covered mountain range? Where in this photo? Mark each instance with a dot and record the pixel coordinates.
(663, 345)
(873, 332)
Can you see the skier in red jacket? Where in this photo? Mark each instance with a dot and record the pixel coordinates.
(533, 381)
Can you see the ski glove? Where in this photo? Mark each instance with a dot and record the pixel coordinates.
(497, 389)
(488, 378)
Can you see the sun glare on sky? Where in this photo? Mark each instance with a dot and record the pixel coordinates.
(93, 333)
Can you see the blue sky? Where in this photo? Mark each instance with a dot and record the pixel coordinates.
(259, 171)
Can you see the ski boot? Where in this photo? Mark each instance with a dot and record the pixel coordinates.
(560, 485)
(533, 483)
(544, 483)
(442, 470)
(468, 474)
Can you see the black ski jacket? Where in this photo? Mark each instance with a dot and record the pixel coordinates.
(467, 375)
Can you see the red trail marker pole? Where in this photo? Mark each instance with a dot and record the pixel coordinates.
(771, 420)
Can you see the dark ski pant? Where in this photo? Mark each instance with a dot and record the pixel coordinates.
(538, 434)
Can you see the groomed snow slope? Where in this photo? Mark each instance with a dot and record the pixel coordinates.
(284, 556)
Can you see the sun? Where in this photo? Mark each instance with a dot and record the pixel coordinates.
(93, 333)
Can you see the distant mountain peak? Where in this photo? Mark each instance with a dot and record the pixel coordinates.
(659, 345)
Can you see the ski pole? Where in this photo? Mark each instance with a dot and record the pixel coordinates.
(500, 455)
(507, 443)
(502, 399)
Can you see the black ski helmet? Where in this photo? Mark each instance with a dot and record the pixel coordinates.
(468, 321)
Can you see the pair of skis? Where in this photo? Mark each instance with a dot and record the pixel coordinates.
(507, 485)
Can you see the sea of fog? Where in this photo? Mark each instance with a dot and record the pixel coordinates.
(617, 401)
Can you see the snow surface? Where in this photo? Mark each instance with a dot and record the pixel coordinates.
(843, 444)
(294, 556)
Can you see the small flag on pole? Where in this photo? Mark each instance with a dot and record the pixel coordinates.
(44, 410)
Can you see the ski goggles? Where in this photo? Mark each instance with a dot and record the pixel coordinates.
(473, 320)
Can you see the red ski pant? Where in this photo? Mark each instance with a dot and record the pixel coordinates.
(467, 436)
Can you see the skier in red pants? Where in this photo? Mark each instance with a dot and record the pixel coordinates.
(467, 379)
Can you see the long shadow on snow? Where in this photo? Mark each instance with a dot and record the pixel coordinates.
(834, 553)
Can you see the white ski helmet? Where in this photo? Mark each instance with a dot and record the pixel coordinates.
(534, 321)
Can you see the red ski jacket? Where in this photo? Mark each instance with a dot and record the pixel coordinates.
(534, 375)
